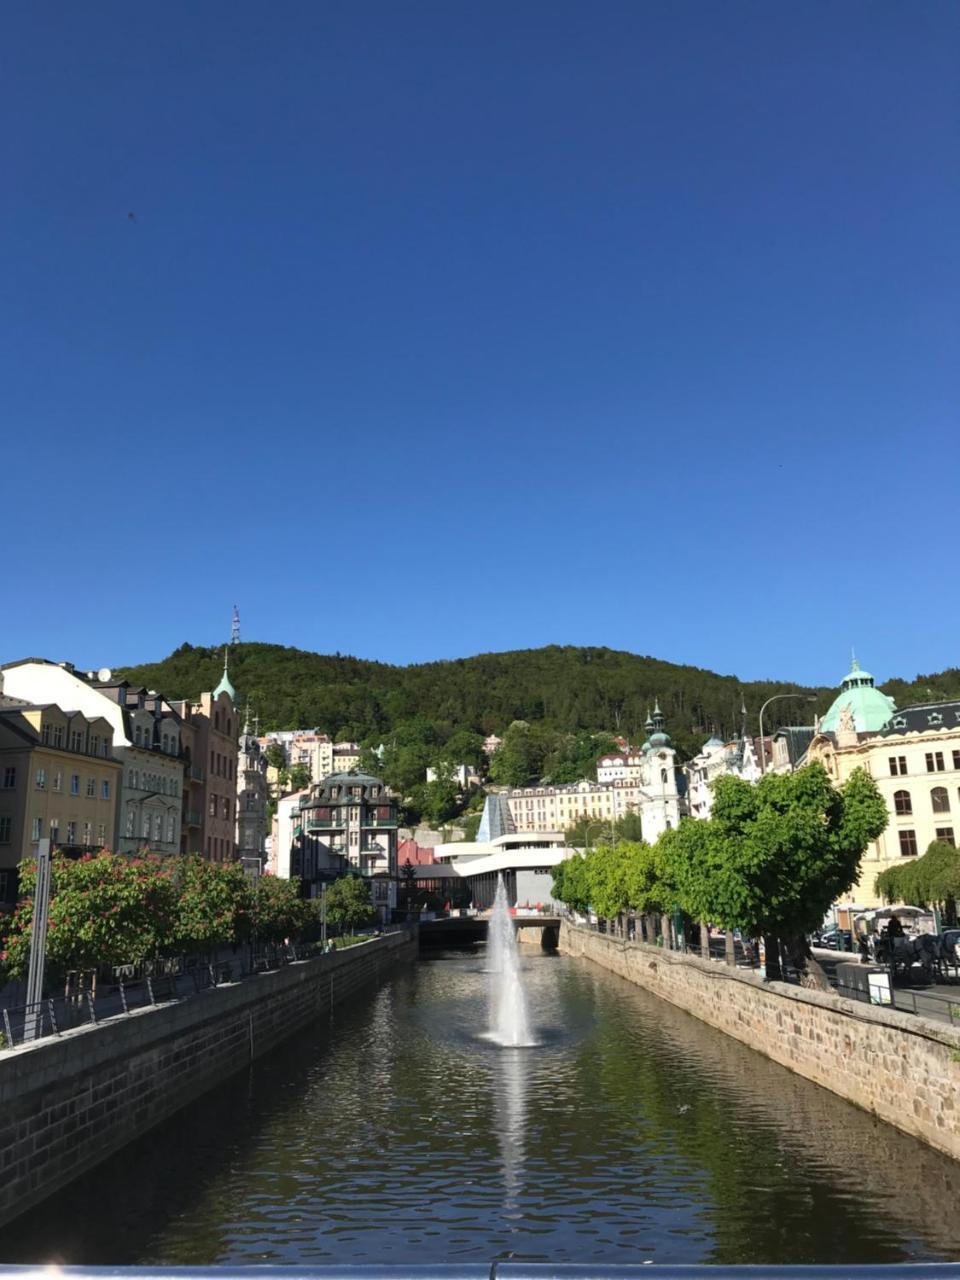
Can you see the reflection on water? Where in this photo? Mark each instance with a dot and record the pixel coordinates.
(394, 1131)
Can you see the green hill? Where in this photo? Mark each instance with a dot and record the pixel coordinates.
(563, 687)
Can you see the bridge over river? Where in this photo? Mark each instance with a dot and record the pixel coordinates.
(457, 931)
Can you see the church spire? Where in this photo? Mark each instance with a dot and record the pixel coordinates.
(225, 686)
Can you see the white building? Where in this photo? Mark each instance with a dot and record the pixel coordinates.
(285, 820)
(146, 740)
(463, 776)
(718, 759)
(654, 791)
(524, 859)
(625, 765)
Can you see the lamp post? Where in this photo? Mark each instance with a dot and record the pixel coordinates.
(776, 697)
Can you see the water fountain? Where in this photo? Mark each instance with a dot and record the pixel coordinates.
(509, 1024)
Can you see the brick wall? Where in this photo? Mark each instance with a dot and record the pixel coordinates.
(68, 1102)
(902, 1068)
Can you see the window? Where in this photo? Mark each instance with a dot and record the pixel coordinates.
(5, 828)
(166, 742)
(76, 740)
(946, 835)
(58, 735)
(45, 735)
(95, 745)
(91, 786)
(41, 779)
(216, 720)
(934, 762)
(53, 828)
(213, 762)
(105, 789)
(36, 829)
(138, 736)
(158, 827)
(898, 765)
(908, 844)
(940, 800)
(57, 783)
(87, 834)
(170, 828)
(9, 777)
(71, 833)
(902, 803)
(101, 835)
(213, 806)
(74, 784)
(145, 827)
(131, 819)
(226, 807)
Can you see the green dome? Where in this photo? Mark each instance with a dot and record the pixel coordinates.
(225, 686)
(870, 708)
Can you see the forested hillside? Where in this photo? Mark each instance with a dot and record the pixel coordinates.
(565, 688)
(562, 688)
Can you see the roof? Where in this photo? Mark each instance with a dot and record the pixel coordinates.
(869, 708)
(926, 717)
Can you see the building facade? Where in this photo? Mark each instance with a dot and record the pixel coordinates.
(59, 780)
(718, 759)
(252, 801)
(146, 741)
(655, 792)
(915, 761)
(212, 771)
(353, 817)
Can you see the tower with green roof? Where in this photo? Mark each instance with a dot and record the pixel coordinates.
(869, 708)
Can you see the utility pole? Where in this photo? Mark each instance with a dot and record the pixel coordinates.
(38, 943)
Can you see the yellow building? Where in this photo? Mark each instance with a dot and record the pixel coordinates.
(58, 780)
(915, 761)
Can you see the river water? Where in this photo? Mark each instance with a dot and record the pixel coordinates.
(392, 1132)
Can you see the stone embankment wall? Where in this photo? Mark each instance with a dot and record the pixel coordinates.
(68, 1102)
(905, 1069)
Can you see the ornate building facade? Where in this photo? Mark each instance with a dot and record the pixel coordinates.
(252, 798)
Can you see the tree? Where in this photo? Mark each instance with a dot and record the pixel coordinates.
(519, 759)
(933, 879)
(408, 885)
(773, 857)
(214, 906)
(571, 884)
(298, 776)
(464, 747)
(348, 902)
(105, 909)
(275, 756)
(277, 911)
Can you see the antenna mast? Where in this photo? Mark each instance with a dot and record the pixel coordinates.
(235, 629)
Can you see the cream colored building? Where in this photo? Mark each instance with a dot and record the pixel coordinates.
(59, 780)
(316, 750)
(915, 761)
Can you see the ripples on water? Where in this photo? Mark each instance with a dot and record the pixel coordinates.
(394, 1132)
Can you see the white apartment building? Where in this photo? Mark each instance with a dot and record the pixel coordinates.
(316, 750)
(621, 766)
(718, 759)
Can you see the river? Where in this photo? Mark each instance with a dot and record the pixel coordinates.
(392, 1132)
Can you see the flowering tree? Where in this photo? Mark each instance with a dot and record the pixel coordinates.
(214, 903)
(104, 909)
(277, 910)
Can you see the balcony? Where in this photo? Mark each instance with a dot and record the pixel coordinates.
(322, 824)
(195, 772)
(381, 823)
(192, 818)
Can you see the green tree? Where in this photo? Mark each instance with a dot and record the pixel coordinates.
(930, 880)
(773, 857)
(519, 759)
(105, 909)
(464, 747)
(298, 776)
(214, 904)
(275, 756)
(277, 911)
(571, 883)
(348, 902)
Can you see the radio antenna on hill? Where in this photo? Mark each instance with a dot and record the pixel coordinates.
(235, 629)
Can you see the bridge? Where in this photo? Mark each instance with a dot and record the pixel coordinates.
(458, 931)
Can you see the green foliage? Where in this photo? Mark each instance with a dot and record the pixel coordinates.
(574, 756)
(773, 857)
(571, 883)
(348, 903)
(471, 825)
(107, 909)
(276, 757)
(298, 776)
(519, 759)
(214, 904)
(277, 911)
(589, 830)
(438, 801)
(933, 878)
(563, 689)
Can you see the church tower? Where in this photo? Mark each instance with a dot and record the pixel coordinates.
(252, 795)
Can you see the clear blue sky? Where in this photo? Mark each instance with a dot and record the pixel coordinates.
(445, 327)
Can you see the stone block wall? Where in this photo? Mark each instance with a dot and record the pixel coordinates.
(68, 1102)
(902, 1068)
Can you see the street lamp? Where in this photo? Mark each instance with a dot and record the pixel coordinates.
(763, 755)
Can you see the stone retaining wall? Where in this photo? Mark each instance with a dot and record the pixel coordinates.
(68, 1102)
(905, 1069)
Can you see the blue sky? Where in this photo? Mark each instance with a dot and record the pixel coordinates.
(441, 328)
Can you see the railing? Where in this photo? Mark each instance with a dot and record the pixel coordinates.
(507, 1270)
(195, 772)
(193, 818)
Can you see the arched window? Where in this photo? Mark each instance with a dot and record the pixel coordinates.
(137, 735)
(940, 800)
(901, 800)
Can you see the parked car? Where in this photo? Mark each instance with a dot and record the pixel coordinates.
(834, 939)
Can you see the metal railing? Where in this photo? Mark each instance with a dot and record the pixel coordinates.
(505, 1270)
